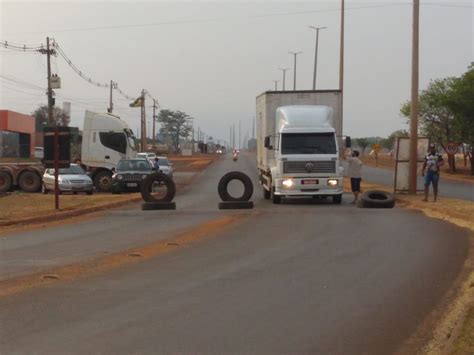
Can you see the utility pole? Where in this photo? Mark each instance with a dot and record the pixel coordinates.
(412, 173)
(111, 104)
(143, 122)
(276, 84)
(240, 139)
(284, 75)
(253, 128)
(52, 123)
(316, 54)
(341, 64)
(294, 68)
(154, 120)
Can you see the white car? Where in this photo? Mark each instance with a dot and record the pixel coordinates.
(148, 156)
(165, 166)
(72, 179)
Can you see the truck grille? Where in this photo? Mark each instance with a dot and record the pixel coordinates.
(132, 177)
(309, 167)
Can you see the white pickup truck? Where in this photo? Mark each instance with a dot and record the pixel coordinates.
(298, 147)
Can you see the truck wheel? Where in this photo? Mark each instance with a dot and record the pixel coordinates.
(5, 181)
(29, 181)
(337, 199)
(276, 199)
(266, 194)
(103, 181)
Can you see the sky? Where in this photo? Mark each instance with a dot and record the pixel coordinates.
(211, 59)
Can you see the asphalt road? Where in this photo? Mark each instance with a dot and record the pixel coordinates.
(302, 277)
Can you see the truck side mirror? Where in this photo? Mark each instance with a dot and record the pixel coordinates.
(348, 142)
(266, 142)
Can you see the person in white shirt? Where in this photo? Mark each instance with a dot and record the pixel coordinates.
(354, 172)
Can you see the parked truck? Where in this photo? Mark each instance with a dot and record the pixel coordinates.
(106, 139)
(299, 137)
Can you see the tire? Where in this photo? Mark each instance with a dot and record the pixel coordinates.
(266, 194)
(103, 181)
(235, 205)
(154, 206)
(227, 178)
(29, 181)
(276, 199)
(377, 199)
(160, 178)
(337, 199)
(5, 181)
(44, 190)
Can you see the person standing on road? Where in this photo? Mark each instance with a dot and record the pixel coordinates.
(433, 161)
(156, 165)
(355, 167)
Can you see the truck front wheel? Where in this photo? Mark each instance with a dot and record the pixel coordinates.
(276, 199)
(337, 199)
(103, 181)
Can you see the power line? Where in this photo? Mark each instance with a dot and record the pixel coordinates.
(221, 19)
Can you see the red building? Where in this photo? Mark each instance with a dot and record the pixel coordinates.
(17, 128)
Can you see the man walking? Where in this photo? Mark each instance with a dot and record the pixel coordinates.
(433, 161)
(355, 167)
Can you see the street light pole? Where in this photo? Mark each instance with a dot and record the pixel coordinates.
(294, 68)
(284, 75)
(414, 99)
(316, 54)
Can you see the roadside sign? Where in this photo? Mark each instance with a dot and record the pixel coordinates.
(64, 147)
(451, 148)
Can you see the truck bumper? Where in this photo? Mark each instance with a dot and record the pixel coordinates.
(305, 186)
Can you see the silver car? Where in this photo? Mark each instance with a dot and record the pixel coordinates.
(165, 166)
(72, 179)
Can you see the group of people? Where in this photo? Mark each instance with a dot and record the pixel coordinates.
(430, 172)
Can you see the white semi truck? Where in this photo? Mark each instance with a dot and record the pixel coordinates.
(105, 140)
(298, 144)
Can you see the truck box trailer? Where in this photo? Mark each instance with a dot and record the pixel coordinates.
(299, 135)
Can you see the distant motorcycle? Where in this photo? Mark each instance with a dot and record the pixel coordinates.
(234, 157)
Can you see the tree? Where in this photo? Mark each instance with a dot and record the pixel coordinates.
(389, 142)
(175, 125)
(60, 118)
(461, 102)
(436, 118)
(362, 143)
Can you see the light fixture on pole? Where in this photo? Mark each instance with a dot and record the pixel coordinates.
(316, 54)
(284, 75)
(294, 68)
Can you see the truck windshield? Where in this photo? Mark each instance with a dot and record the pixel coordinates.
(138, 164)
(308, 143)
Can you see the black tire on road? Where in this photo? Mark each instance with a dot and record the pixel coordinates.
(5, 181)
(160, 178)
(29, 181)
(154, 206)
(337, 199)
(227, 178)
(103, 181)
(235, 205)
(377, 199)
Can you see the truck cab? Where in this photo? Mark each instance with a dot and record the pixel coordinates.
(106, 140)
(302, 157)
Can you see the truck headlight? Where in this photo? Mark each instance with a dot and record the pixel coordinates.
(333, 182)
(287, 183)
